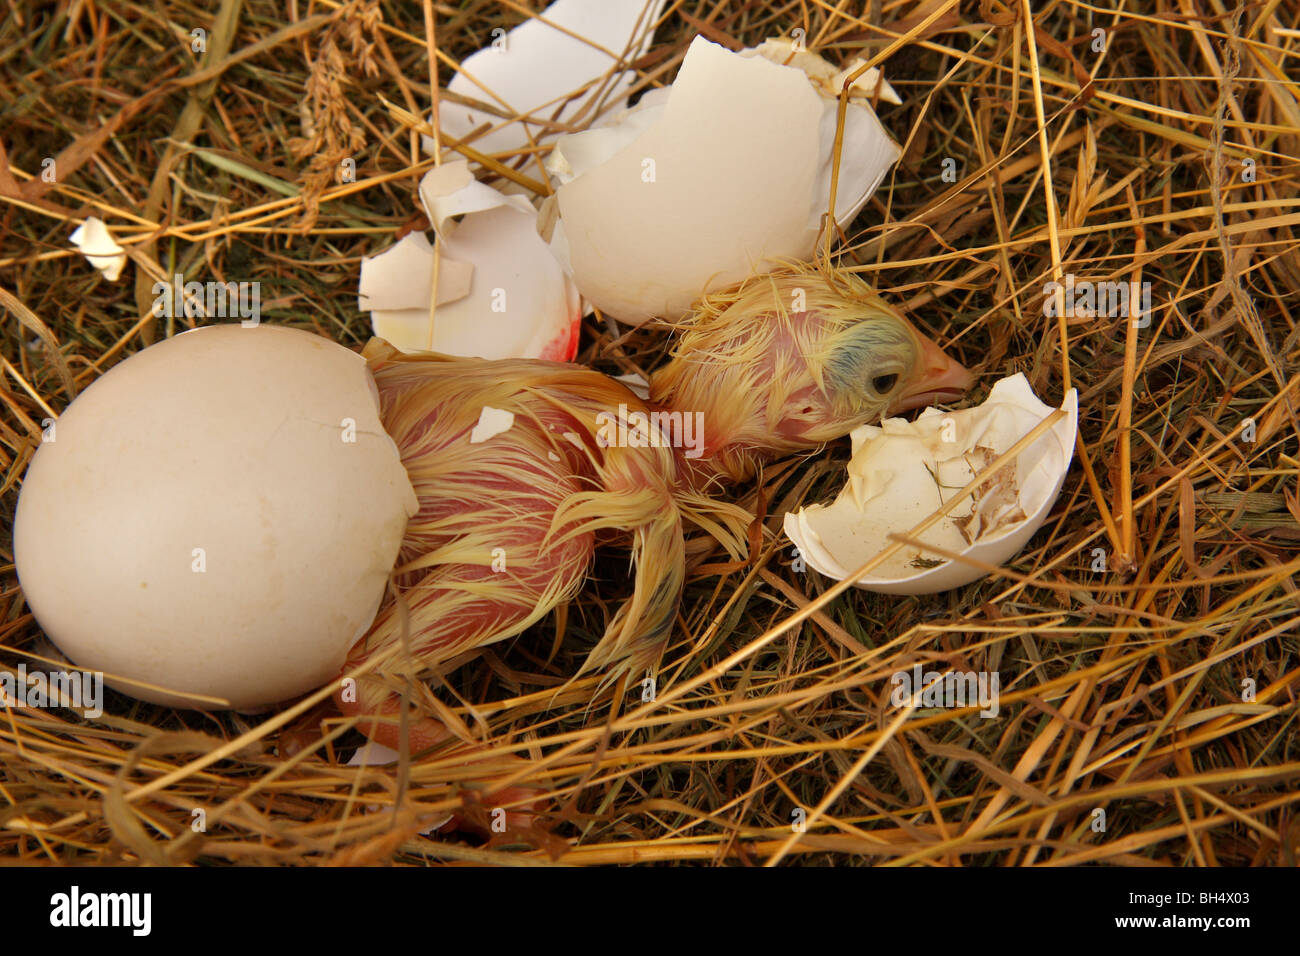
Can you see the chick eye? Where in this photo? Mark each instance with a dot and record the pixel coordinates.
(884, 383)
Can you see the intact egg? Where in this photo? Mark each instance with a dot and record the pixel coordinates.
(215, 517)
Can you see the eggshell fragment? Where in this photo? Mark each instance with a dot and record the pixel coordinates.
(636, 384)
(217, 515)
(703, 184)
(501, 292)
(491, 422)
(902, 472)
(371, 754)
(97, 245)
(548, 65)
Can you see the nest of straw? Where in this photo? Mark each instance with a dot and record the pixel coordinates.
(1158, 145)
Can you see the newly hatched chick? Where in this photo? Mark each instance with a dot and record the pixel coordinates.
(507, 527)
(793, 359)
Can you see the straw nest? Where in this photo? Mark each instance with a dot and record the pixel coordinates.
(1153, 143)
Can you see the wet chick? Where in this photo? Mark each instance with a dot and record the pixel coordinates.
(507, 527)
(794, 359)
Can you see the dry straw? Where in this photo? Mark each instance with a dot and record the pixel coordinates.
(1156, 142)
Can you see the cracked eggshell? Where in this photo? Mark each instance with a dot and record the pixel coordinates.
(203, 520)
(537, 68)
(501, 291)
(902, 472)
(699, 185)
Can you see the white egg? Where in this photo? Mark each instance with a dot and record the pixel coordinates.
(217, 515)
(902, 472)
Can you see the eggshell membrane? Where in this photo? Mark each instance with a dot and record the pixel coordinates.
(892, 487)
(787, 52)
(233, 440)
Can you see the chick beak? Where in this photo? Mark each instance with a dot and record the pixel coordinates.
(938, 378)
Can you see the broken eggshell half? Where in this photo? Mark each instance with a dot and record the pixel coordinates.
(501, 292)
(553, 70)
(707, 181)
(902, 472)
